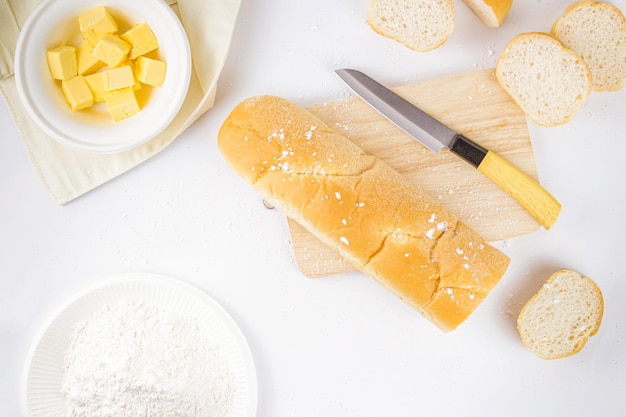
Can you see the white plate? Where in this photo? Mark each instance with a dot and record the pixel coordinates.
(45, 365)
(54, 23)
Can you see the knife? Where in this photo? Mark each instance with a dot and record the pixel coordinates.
(436, 136)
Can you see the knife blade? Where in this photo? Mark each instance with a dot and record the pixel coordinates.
(437, 136)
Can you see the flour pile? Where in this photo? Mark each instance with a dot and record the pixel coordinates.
(132, 360)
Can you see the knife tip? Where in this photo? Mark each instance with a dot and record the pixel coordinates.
(342, 72)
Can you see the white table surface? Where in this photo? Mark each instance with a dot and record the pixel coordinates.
(341, 345)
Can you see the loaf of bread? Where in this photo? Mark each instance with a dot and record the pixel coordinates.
(491, 12)
(355, 203)
(559, 319)
(421, 25)
(597, 32)
(547, 80)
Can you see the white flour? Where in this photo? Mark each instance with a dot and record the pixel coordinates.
(131, 360)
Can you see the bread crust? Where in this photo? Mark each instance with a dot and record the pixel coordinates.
(491, 12)
(357, 204)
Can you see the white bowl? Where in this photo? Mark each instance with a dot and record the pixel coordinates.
(55, 22)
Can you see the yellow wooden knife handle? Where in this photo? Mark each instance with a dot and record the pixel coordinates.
(532, 196)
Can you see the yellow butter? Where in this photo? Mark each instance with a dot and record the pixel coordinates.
(77, 93)
(142, 40)
(111, 50)
(122, 104)
(95, 23)
(62, 62)
(85, 61)
(150, 71)
(117, 78)
(85, 81)
(96, 85)
(137, 84)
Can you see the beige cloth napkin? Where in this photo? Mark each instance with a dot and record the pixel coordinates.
(67, 173)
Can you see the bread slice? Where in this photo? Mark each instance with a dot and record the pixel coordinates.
(597, 32)
(559, 319)
(421, 25)
(547, 80)
(491, 12)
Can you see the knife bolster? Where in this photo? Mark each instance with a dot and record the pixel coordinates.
(468, 150)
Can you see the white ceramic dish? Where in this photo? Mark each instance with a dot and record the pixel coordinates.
(45, 364)
(53, 23)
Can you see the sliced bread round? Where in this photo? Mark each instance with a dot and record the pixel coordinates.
(421, 25)
(559, 319)
(547, 80)
(597, 32)
(491, 12)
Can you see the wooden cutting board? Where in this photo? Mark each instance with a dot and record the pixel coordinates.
(473, 104)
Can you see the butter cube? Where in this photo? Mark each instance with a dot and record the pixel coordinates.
(97, 82)
(111, 50)
(85, 61)
(142, 40)
(77, 93)
(95, 23)
(117, 78)
(137, 84)
(150, 71)
(62, 62)
(96, 85)
(122, 103)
